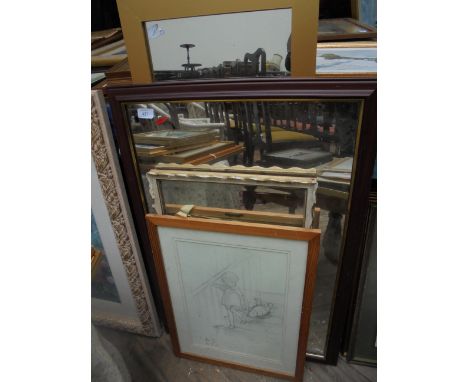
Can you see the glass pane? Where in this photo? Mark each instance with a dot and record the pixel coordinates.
(231, 202)
(102, 284)
(216, 46)
(336, 28)
(311, 133)
(368, 12)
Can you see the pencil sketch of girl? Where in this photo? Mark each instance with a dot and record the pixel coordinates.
(232, 299)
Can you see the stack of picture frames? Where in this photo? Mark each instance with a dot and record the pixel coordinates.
(343, 184)
(236, 284)
(181, 146)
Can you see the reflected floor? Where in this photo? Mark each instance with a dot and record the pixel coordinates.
(323, 297)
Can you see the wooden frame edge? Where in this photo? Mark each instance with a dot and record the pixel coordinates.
(322, 87)
(162, 282)
(309, 287)
(357, 215)
(244, 228)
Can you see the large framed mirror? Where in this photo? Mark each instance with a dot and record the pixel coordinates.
(286, 123)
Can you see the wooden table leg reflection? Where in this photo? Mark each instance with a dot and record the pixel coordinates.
(335, 202)
(332, 237)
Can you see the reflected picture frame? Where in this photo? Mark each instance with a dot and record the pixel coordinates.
(195, 258)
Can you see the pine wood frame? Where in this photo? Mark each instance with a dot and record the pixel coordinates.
(280, 88)
(312, 236)
(134, 13)
(264, 217)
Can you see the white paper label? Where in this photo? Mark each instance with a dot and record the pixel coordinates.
(144, 113)
(155, 31)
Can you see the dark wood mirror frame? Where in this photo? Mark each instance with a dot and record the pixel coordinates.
(279, 88)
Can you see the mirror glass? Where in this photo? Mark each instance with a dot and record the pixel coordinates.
(247, 44)
(305, 133)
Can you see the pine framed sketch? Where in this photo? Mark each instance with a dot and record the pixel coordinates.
(236, 294)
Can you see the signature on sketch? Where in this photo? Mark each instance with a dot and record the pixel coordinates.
(237, 309)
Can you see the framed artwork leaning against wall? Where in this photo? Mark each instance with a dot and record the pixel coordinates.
(121, 297)
(236, 294)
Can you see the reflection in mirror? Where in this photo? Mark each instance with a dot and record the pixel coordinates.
(284, 133)
(336, 26)
(344, 29)
(367, 11)
(258, 204)
(217, 46)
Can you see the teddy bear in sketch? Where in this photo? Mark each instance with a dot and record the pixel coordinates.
(232, 299)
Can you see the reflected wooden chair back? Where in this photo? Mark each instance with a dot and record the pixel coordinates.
(217, 113)
(237, 119)
(267, 127)
(270, 126)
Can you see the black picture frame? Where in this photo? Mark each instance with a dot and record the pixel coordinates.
(361, 305)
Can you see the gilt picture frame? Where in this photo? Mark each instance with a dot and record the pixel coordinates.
(234, 300)
(135, 13)
(133, 308)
